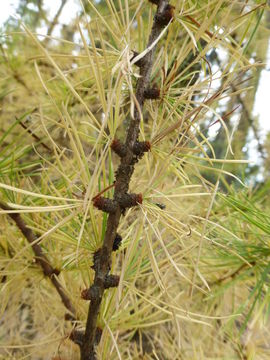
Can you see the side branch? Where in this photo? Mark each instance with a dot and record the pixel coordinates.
(41, 259)
(55, 21)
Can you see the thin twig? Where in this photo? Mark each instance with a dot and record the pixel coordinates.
(251, 122)
(55, 21)
(37, 138)
(232, 275)
(123, 175)
(41, 259)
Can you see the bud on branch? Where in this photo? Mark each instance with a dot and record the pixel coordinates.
(141, 147)
(130, 200)
(119, 148)
(105, 204)
(111, 281)
(92, 293)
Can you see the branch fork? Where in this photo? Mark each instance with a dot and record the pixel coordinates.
(77, 336)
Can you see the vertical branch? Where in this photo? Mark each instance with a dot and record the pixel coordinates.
(129, 156)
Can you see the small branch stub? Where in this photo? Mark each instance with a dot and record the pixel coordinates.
(117, 242)
(111, 281)
(98, 335)
(105, 204)
(130, 200)
(163, 19)
(152, 93)
(140, 147)
(119, 148)
(86, 294)
(77, 336)
(92, 293)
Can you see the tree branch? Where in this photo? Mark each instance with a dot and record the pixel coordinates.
(123, 175)
(55, 21)
(41, 259)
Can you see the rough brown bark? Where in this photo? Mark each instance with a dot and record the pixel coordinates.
(123, 175)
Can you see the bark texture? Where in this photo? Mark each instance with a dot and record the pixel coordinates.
(129, 156)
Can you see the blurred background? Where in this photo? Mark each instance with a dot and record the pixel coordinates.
(250, 117)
